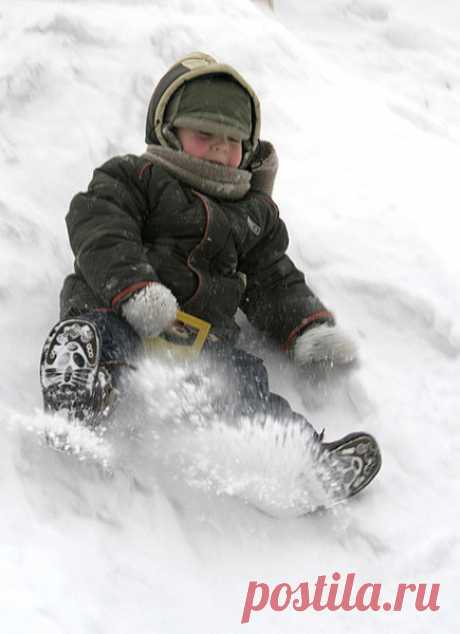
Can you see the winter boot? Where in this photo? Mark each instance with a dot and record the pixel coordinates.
(72, 377)
(351, 462)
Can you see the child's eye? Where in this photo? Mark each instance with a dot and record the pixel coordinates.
(205, 135)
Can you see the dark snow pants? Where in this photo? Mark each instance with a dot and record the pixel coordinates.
(246, 377)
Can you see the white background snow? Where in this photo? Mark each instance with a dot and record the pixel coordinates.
(362, 100)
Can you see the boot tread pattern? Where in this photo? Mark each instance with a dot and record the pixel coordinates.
(70, 366)
(354, 462)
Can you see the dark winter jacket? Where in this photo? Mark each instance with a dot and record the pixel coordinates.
(137, 224)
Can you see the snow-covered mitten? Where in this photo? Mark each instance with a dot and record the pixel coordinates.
(150, 310)
(324, 355)
(324, 344)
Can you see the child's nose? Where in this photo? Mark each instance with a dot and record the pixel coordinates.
(221, 140)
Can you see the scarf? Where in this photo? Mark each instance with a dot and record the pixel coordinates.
(213, 179)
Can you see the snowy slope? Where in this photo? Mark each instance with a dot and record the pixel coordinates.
(361, 100)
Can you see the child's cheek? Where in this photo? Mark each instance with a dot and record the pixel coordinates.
(235, 156)
(201, 147)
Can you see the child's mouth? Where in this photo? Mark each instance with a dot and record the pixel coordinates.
(216, 161)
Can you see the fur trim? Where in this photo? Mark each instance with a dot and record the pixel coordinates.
(324, 343)
(150, 310)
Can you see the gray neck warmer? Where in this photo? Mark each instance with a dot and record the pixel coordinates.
(213, 179)
(219, 181)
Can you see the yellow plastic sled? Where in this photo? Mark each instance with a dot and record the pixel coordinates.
(183, 340)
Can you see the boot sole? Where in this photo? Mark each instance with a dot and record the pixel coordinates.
(69, 367)
(354, 462)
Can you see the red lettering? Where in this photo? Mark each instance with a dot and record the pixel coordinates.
(274, 600)
(400, 595)
(374, 600)
(346, 605)
(367, 597)
(332, 596)
(303, 603)
(320, 585)
(431, 601)
(249, 604)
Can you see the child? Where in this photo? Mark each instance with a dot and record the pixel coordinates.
(190, 224)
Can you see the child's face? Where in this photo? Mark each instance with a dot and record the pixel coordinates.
(210, 147)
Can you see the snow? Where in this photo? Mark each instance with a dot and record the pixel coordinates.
(361, 98)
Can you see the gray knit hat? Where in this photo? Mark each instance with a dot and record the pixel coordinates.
(214, 103)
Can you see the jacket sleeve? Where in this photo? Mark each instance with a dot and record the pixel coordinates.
(277, 300)
(105, 230)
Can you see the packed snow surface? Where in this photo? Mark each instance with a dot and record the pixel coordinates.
(151, 527)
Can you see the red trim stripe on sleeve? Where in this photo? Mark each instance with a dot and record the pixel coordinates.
(319, 315)
(129, 291)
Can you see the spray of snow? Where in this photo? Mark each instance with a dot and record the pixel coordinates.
(261, 461)
(56, 432)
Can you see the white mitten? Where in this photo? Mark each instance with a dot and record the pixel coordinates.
(324, 344)
(151, 310)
